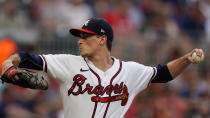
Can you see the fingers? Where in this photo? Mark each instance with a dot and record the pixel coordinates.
(5, 65)
(199, 52)
(196, 56)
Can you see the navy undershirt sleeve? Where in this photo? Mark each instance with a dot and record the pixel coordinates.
(30, 61)
(163, 75)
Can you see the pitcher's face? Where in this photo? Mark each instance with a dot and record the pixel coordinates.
(88, 44)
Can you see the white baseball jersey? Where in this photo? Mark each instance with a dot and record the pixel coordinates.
(88, 92)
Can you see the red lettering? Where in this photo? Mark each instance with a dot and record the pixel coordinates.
(109, 89)
(99, 90)
(88, 89)
(106, 89)
(117, 89)
(78, 81)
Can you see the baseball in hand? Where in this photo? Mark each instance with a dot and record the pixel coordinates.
(196, 58)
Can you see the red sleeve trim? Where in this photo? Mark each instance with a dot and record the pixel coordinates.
(153, 76)
(45, 65)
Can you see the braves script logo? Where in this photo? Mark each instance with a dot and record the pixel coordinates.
(99, 90)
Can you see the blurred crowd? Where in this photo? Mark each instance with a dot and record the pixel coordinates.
(147, 31)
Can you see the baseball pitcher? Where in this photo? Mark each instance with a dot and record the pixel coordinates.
(93, 84)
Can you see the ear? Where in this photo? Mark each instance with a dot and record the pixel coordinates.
(103, 40)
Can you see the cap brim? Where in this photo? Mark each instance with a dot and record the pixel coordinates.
(77, 32)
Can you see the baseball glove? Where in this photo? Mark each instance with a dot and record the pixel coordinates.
(24, 78)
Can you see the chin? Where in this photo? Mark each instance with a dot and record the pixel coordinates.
(83, 55)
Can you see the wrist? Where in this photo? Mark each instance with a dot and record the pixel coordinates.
(187, 58)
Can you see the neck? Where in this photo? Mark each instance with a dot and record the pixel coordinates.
(103, 61)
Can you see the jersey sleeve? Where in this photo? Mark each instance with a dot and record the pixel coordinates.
(143, 75)
(30, 61)
(56, 66)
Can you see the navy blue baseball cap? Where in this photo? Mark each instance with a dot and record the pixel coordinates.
(95, 26)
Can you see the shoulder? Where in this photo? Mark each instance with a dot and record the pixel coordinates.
(135, 66)
(132, 64)
(62, 57)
